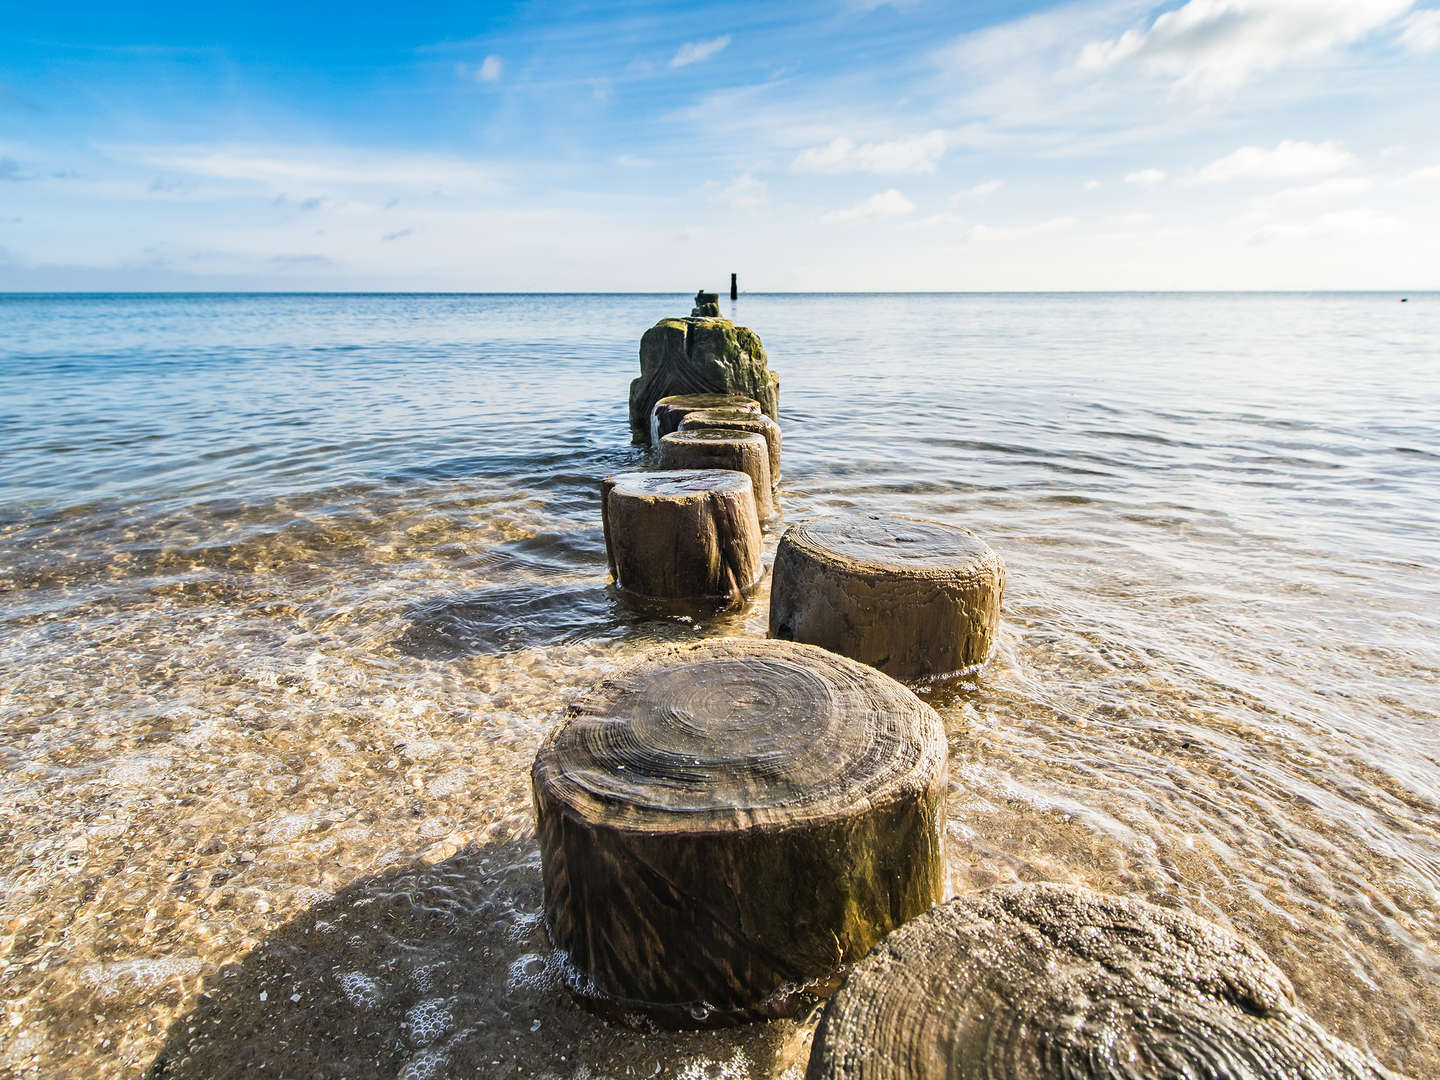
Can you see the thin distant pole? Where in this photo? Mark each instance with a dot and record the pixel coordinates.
(734, 287)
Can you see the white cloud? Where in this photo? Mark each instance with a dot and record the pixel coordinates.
(490, 69)
(934, 221)
(1337, 188)
(1003, 232)
(1428, 175)
(744, 191)
(692, 52)
(979, 191)
(887, 204)
(916, 154)
(1361, 221)
(1091, 185)
(1145, 177)
(1213, 45)
(1422, 32)
(1289, 159)
(277, 167)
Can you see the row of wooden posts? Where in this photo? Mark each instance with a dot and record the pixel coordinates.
(726, 827)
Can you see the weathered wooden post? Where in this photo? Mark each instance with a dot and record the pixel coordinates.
(740, 420)
(699, 355)
(682, 535)
(670, 412)
(718, 448)
(734, 287)
(917, 599)
(1039, 982)
(724, 825)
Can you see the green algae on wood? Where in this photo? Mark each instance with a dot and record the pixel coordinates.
(725, 825)
(699, 356)
(1044, 982)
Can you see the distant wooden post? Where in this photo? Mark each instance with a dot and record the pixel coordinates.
(734, 287)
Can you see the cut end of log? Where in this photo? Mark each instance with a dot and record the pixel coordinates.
(725, 825)
(723, 448)
(1037, 982)
(916, 599)
(669, 412)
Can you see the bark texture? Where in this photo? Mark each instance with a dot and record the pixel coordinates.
(916, 599)
(1047, 982)
(724, 825)
(682, 535)
(699, 356)
(738, 420)
(715, 448)
(670, 412)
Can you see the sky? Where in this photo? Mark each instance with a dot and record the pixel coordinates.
(845, 145)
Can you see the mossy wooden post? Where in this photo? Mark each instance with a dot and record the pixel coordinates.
(700, 355)
(916, 599)
(740, 420)
(670, 412)
(716, 448)
(1039, 982)
(724, 825)
(682, 535)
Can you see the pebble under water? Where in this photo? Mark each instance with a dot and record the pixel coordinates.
(295, 585)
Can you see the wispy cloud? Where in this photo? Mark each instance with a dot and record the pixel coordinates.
(744, 191)
(692, 52)
(10, 170)
(979, 191)
(1361, 221)
(490, 69)
(1288, 160)
(916, 154)
(887, 204)
(281, 166)
(399, 234)
(1340, 187)
(1214, 45)
(1430, 174)
(1145, 177)
(1422, 31)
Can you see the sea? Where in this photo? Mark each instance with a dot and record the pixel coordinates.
(294, 585)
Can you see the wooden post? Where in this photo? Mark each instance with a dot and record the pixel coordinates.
(682, 535)
(720, 448)
(724, 825)
(1032, 981)
(740, 420)
(734, 287)
(917, 599)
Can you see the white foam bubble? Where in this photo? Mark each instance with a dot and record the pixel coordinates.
(429, 1020)
(363, 991)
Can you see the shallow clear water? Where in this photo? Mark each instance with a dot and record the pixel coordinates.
(295, 585)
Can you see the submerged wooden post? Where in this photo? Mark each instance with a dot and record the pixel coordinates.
(669, 412)
(723, 825)
(1038, 982)
(682, 535)
(916, 599)
(741, 420)
(719, 448)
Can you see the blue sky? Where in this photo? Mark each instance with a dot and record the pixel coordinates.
(1100, 144)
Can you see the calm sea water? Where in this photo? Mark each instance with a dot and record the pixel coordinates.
(295, 584)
